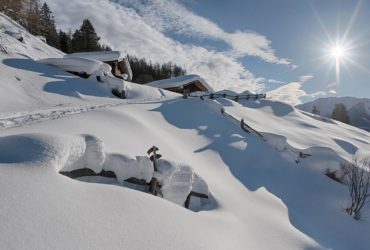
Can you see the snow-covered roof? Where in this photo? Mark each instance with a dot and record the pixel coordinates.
(178, 82)
(104, 56)
(80, 65)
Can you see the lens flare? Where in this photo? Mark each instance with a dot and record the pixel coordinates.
(337, 51)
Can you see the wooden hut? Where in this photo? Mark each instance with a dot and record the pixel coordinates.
(119, 63)
(183, 84)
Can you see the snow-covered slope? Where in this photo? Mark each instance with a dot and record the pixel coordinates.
(359, 115)
(358, 109)
(260, 197)
(327, 105)
(31, 46)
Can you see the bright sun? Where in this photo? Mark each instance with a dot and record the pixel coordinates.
(337, 51)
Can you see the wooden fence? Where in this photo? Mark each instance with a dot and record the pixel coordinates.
(236, 98)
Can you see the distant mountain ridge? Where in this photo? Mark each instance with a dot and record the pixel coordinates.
(358, 109)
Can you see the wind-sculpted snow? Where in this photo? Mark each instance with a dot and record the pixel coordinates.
(40, 149)
(67, 153)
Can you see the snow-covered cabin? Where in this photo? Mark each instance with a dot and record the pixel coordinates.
(119, 63)
(183, 84)
(79, 66)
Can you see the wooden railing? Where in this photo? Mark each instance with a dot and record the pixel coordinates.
(236, 98)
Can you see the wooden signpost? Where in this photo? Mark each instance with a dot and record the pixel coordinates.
(154, 187)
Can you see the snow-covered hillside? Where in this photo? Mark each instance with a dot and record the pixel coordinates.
(358, 109)
(262, 194)
(326, 105)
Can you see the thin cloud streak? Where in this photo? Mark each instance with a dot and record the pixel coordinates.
(173, 16)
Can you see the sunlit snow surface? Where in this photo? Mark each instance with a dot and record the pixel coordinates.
(261, 198)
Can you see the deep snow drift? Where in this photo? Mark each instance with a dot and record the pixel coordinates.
(263, 195)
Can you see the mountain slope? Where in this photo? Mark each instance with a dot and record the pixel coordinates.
(327, 104)
(260, 197)
(359, 115)
(357, 109)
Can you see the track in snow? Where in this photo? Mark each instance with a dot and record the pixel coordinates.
(19, 119)
(24, 118)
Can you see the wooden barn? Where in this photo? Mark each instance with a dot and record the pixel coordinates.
(183, 84)
(119, 63)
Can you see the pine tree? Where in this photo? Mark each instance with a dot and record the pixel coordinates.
(340, 113)
(144, 71)
(11, 8)
(105, 47)
(315, 111)
(32, 16)
(85, 39)
(77, 42)
(65, 41)
(47, 26)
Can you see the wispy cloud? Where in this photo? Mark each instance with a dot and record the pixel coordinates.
(273, 81)
(292, 92)
(172, 16)
(305, 78)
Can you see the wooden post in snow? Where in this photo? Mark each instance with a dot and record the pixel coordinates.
(154, 184)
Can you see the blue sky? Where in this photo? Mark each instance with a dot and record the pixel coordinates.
(302, 31)
(259, 45)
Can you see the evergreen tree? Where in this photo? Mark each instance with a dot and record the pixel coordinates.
(105, 47)
(85, 39)
(47, 26)
(11, 8)
(77, 42)
(315, 111)
(32, 16)
(145, 72)
(340, 113)
(65, 41)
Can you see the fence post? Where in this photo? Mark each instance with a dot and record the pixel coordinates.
(154, 184)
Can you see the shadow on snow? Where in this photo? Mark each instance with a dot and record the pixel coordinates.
(314, 202)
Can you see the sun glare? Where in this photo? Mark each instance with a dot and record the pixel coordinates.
(337, 51)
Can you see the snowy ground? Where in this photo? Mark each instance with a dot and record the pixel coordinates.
(51, 121)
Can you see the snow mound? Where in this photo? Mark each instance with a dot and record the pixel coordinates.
(78, 65)
(34, 149)
(71, 153)
(178, 181)
(103, 56)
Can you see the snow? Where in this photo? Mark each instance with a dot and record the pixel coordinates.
(358, 109)
(75, 64)
(31, 47)
(104, 56)
(178, 82)
(178, 181)
(260, 197)
(327, 105)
